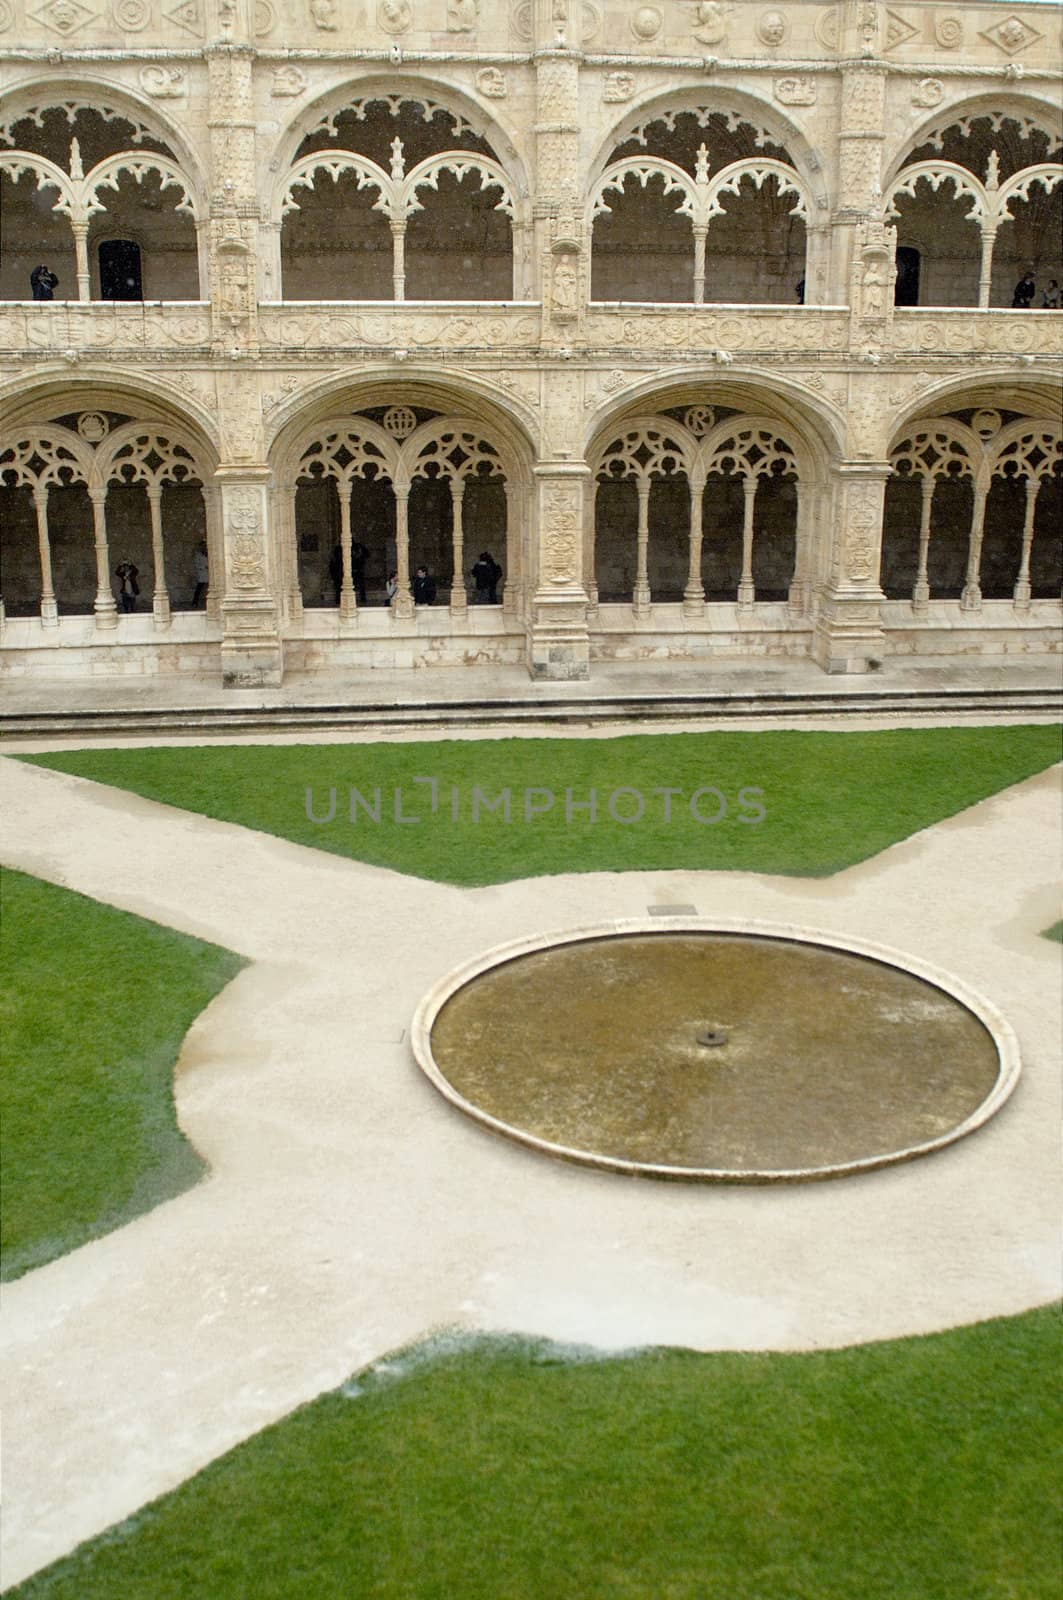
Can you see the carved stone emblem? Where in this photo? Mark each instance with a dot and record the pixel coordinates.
(491, 82)
(93, 426)
(131, 15)
(646, 22)
(394, 16)
(619, 86)
(462, 15)
(1012, 35)
(163, 83)
(287, 80)
(772, 28)
(711, 21)
(187, 15)
(826, 29)
(928, 92)
(325, 15)
(898, 30)
(64, 16)
(795, 91)
(948, 32)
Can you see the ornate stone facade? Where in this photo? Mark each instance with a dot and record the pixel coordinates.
(717, 354)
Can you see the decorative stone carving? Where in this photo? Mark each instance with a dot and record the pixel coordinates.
(618, 87)
(243, 541)
(795, 91)
(287, 81)
(64, 17)
(948, 32)
(462, 15)
(711, 21)
(7, 15)
(861, 534)
(561, 511)
(521, 19)
(898, 30)
(93, 426)
(187, 15)
(646, 23)
(827, 29)
(394, 16)
(491, 82)
(928, 92)
(772, 28)
(871, 296)
(325, 14)
(163, 83)
(263, 18)
(1011, 35)
(131, 15)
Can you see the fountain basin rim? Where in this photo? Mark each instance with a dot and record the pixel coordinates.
(992, 1019)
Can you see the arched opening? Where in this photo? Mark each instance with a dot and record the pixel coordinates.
(909, 267)
(121, 277)
(395, 197)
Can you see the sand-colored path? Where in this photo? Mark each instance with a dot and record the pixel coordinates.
(349, 1209)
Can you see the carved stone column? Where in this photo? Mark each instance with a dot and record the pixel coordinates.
(694, 593)
(346, 598)
(558, 644)
(251, 649)
(513, 586)
(215, 550)
(1022, 583)
(848, 630)
(921, 589)
(160, 598)
(861, 130)
(49, 607)
(104, 605)
(971, 598)
(640, 598)
(459, 595)
(746, 589)
(558, 177)
(234, 204)
(81, 253)
(402, 601)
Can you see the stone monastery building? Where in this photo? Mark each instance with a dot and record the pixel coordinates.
(696, 314)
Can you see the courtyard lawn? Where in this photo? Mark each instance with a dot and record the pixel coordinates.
(920, 1469)
(1055, 932)
(829, 799)
(94, 1006)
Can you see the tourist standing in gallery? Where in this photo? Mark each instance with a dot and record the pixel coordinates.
(128, 587)
(42, 283)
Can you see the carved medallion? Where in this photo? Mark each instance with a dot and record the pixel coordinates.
(287, 80)
(163, 83)
(394, 16)
(131, 15)
(646, 22)
(93, 426)
(1012, 35)
(898, 30)
(491, 82)
(187, 15)
(795, 91)
(711, 21)
(826, 29)
(772, 28)
(948, 32)
(64, 16)
(928, 92)
(618, 87)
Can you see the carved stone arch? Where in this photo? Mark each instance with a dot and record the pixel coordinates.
(755, 445)
(106, 175)
(938, 174)
(426, 174)
(111, 100)
(440, 440)
(124, 456)
(642, 169)
(789, 180)
(645, 446)
(1025, 108)
(937, 447)
(371, 450)
(396, 85)
(331, 163)
(1046, 175)
(17, 163)
(1033, 448)
(44, 455)
(155, 400)
(759, 113)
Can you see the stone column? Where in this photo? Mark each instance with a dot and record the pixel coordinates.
(215, 550)
(700, 233)
(398, 258)
(985, 271)
(347, 599)
(402, 603)
(160, 599)
(848, 630)
(921, 590)
(694, 593)
(81, 253)
(49, 608)
(234, 202)
(558, 644)
(861, 129)
(251, 650)
(104, 605)
(799, 594)
(746, 590)
(1022, 583)
(640, 599)
(971, 598)
(513, 586)
(459, 598)
(590, 576)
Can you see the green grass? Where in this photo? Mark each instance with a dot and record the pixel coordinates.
(1054, 932)
(94, 1006)
(830, 799)
(919, 1469)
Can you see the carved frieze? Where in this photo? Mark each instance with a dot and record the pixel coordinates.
(800, 91)
(898, 30)
(64, 17)
(187, 14)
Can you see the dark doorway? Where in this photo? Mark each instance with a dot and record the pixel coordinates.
(120, 277)
(906, 290)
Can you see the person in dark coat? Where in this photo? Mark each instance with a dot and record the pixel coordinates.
(359, 557)
(1024, 292)
(42, 283)
(424, 587)
(485, 575)
(128, 587)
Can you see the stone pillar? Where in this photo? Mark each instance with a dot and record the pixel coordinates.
(590, 533)
(971, 598)
(398, 261)
(921, 589)
(513, 586)
(459, 596)
(234, 203)
(215, 550)
(104, 605)
(848, 630)
(49, 608)
(694, 593)
(347, 600)
(558, 179)
(558, 644)
(746, 589)
(81, 253)
(402, 602)
(797, 600)
(985, 270)
(640, 600)
(251, 649)
(160, 599)
(861, 129)
(701, 230)
(1022, 583)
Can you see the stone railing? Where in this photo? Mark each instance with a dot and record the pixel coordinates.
(720, 329)
(960, 330)
(112, 327)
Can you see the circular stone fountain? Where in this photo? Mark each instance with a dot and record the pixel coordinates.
(717, 1052)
